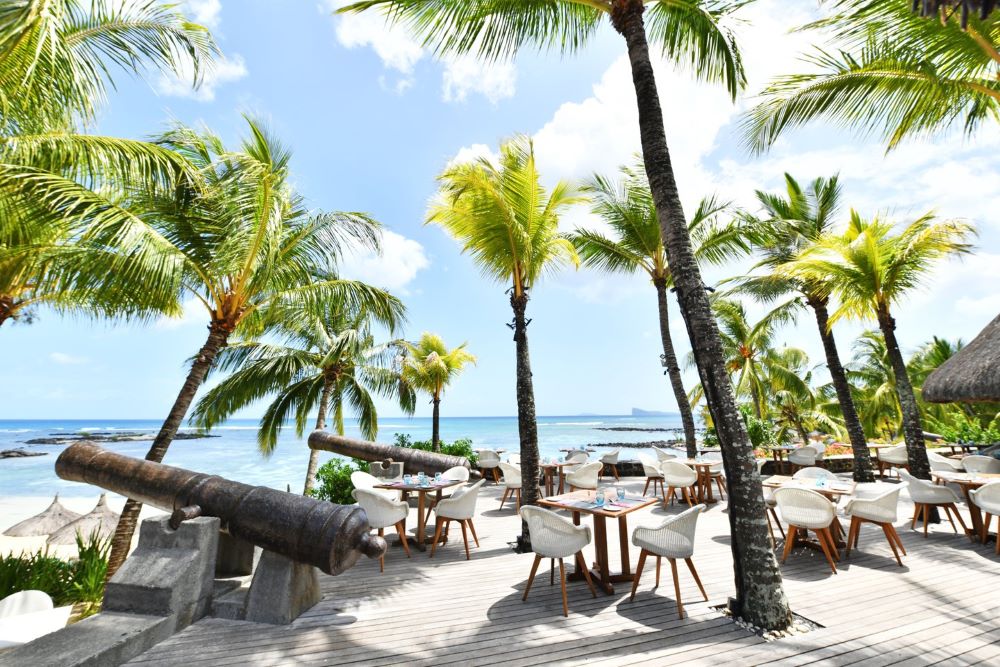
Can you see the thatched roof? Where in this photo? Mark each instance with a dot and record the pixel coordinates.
(973, 374)
(52, 519)
(101, 520)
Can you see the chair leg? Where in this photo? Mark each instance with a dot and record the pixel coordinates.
(381, 559)
(496, 475)
(518, 499)
(531, 577)
(697, 579)
(985, 532)
(401, 531)
(927, 509)
(646, 488)
(774, 514)
(916, 513)
(689, 495)
(586, 573)
(895, 536)
(852, 535)
(465, 538)
(562, 585)
(789, 541)
(722, 491)
(668, 496)
(638, 573)
(826, 550)
(947, 511)
(892, 543)
(614, 471)
(504, 499)
(437, 535)
(828, 537)
(770, 528)
(677, 588)
(472, 527)
(658, 559)
(958, 516)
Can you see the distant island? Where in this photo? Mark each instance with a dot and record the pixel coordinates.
(638, 412)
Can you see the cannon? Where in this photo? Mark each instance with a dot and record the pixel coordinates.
(314, 532)
(413, 460)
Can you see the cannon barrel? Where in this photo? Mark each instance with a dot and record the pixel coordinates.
(315, 532)
(413, 460)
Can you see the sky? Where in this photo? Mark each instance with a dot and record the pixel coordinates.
(372, 118)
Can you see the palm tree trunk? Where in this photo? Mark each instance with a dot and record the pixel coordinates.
(757, 402)
(218, 335)
(435, 424)
(7, 306)
(760, 598)
(674, 371)
(324, 406)
(855, 433)
(527, 427)
(913, 430)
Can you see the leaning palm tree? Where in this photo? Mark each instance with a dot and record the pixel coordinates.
(504, 218)
(328, 362)
(692, 33)
(636, 248)
(897, 74)
(429, 366)
(241, 242)
(65, 239)
(870, 269)
(789, 225)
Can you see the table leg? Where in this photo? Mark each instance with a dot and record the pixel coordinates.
(974, 513)
(623, 545)
(601, 547)
(421, 522)
(561, 481)
(549, 486)
(709, 498)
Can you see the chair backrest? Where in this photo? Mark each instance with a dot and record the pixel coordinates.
(381, 511)
(458, 472)
(942, 463)
(674, 536)
(511, 474)
(585, 476)
(804, 456)
(878, 508)
(649, 467)
(611, 457)
(514, 459)
(986, 494)
(553, 535)
(25, 602)
(462, 504)
(977, 463)
(813, 473)
(678, 474)
(364, 480)
(896, 455)
(820, 448)
(488, 458)
(804, 508)
(579, 456)
(663, 455)
(924, 491)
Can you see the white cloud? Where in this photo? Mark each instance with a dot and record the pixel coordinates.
(465, 74)
(67, 359)
(225, 70)
(204, 12)
(393, 44)
(395, 268)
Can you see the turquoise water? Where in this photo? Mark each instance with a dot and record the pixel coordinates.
(234, 454)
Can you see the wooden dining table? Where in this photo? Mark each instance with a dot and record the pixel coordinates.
(421, 491)
(703, 487)
(582, 502)
(552, 470)
(779, 453)
(967, 482)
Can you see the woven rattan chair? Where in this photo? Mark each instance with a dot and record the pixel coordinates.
(610, 461)
(891, 457)
(987, 498)
(981, 464)
(489, 462)
(511, 483)
(677, 476)
(585, 476)
(556, 538)
(461, 507)
(926, 495)
(673, 539)
(804, 509)
(384, 512)
(804, 457)
(663, 455)
(653, 474)
(880, 510)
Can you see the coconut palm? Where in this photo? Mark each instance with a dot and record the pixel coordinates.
(429, 366)
(796, 406)
(65, 239)
(627, 207)
(503, 217)
(789, 225)
(327, 361)
(897, 74)
(695, 34)
(874, 385)
(241, 243)
(870, 269)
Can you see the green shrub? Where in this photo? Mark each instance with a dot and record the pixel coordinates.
(967, 429)
(66, 582)
(333, 482)
(461, 447)
(760, 431)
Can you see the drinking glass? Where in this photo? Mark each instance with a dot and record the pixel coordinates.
(437, 477)
(407, 479)
(599, 499)
(621, 493)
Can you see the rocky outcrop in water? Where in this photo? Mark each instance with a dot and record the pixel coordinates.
(110, 436)
(638, 445)
(19, 453)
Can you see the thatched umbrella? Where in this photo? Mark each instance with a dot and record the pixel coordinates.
(101, 520)
(52, 519)
(972, 374)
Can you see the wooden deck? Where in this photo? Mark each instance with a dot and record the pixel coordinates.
(942, 607)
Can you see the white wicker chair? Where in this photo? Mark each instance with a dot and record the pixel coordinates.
(925, 495)
(663, 455)
(461, 507)
(976, 463)
(716, 473)
(987, 498)
(652, 472)
(511, 483)
(943, 463)
(891, 457)
(672, 539)
(384, 512)
(610, 460)
(514, 459)
(577, 458)
(880, 510)
(676, 476)
(585, 476)
(771, 505)
(554, 537)
(489, 460)
(803, 509)
(804, 457)
(365, 481)
(25, 602)
(814, 473)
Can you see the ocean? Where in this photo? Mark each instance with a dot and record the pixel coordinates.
(234, 453)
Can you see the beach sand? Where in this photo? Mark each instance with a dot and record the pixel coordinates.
(14, 509)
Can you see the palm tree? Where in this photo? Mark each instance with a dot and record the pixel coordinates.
(898, 74)
(65, 240)
(429, 366)
(788, 227)
(874, 385)
(869, 268)
(797, 407)
(693, 33)
(504, 218)
(627, 207)
(241, 242)
(328, 360)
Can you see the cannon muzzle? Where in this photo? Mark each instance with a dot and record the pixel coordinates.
(307, 530)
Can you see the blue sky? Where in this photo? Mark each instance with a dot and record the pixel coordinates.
(372, 118)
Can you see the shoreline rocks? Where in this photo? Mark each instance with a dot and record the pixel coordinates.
(110, 436)
(19, 453)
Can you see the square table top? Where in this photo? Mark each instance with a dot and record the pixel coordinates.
(970, 479)
(583, 501)
(557, 464)
(696, 462)
(839, 487)
(415, 486)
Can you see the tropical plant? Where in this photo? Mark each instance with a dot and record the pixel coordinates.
(66, 240)
(797, 407)
(328, 361)
(694, 33)
(874, 385)
(789, 225)
(334, 483)
(461, 447)
(870, 269)
(240, 243)
(429, 366)
(636, 248)
(948, 418)
(897, 74)
(504, 218)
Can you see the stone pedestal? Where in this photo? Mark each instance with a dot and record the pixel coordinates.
(281, 590)
(235, 557)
